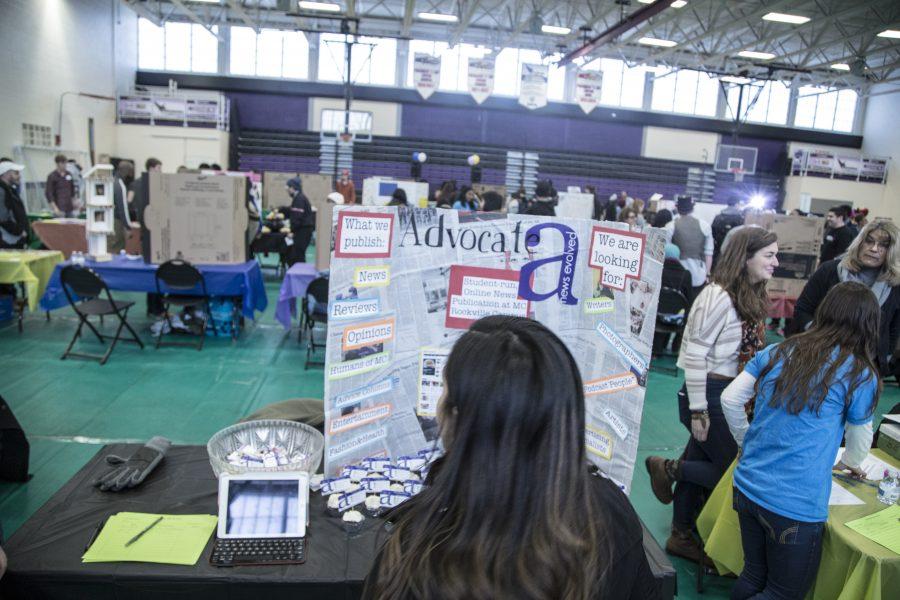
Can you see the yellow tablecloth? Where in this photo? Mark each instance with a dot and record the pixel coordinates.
(32, 268)
(852, 567)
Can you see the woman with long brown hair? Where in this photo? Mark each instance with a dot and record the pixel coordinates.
(809, 390)
(512, 510)
(725, 328)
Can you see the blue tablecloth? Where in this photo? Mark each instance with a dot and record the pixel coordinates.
(123, 274)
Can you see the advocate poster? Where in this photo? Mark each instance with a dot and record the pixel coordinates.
(587, 89)
(426, 74)
(481, 78)
(406, 283)
(533, 90)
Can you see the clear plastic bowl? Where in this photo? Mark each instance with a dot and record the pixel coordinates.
(302, 443)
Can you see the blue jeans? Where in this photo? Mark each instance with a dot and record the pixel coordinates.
(703, 463)
(781, 555)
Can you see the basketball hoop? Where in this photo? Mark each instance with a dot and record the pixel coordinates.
(738, 174)
(346, 137)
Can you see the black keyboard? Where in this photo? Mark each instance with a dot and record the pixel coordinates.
(258, 551)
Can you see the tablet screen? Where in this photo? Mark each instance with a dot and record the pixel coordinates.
(263, 507)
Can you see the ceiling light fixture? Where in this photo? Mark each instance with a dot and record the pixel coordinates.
(890, 33)
(320, 6)
(440, 17)
(555, 29)
(840, 67)
(757, 55)
(678, 3)
(649, 41)
(785, 18)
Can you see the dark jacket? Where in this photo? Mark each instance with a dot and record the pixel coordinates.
(675, 276)
(724, 222)
(301, 212)
(542, 209)
(836, 242)
(826, 277)
(60, 190)
(120, 200)
(13, 217)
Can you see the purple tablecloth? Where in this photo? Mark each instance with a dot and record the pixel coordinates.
(123, 274)
(296, 280)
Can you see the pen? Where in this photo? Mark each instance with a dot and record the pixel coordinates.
(853, 481)
(95, 534)
(138, 536)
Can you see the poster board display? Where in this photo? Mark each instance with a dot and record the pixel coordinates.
(796, 235)
(405, 284)
(200, 218)
(377, 190)
(274, 192)
(576, 205)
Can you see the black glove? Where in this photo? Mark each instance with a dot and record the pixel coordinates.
(131, 472)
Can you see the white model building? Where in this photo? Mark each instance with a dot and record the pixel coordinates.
(98, 183)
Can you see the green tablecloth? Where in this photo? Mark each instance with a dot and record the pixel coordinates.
(852, 567)
(32, 268)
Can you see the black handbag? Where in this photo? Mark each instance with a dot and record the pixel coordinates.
(14, 448)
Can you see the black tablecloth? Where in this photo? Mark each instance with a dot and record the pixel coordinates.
(45, 553)
(264, 243)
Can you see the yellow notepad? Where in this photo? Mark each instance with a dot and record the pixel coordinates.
(882, 527)
(176, 540)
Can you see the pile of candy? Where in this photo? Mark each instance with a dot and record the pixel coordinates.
(265, 456)
(374, 482)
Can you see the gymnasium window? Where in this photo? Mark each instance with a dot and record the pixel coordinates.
(177, 47)
(270, 53)
(685, 91)
(770, 106)
(823, 108)
(622, 85)
(373, 60)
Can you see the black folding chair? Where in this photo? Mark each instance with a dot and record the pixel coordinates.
(671, 317)
(82, 288)
(181, 276)
(318, 289)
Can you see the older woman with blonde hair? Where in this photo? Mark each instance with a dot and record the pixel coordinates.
(873, 259)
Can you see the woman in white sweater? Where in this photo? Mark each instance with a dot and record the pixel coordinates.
(725, 328)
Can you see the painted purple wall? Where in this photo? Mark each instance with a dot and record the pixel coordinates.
(519, 130)
(271, 111)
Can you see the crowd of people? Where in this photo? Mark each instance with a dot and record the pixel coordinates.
(782, 410)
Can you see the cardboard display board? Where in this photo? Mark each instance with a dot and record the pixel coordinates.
(316, 187)
(377, 191)
(796, 235)
(575, 205)
(200, 218)
(274, 192)
(405, 284)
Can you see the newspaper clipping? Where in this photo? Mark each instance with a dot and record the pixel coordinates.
(406, 283)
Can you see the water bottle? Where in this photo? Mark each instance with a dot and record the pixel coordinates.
(888, 488)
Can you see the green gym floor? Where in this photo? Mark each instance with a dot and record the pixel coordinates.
(70, 408)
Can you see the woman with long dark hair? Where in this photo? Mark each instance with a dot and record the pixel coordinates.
(512, 509)
(809, 391)
(725, 328)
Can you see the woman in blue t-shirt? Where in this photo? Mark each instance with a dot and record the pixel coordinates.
(805, 403)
